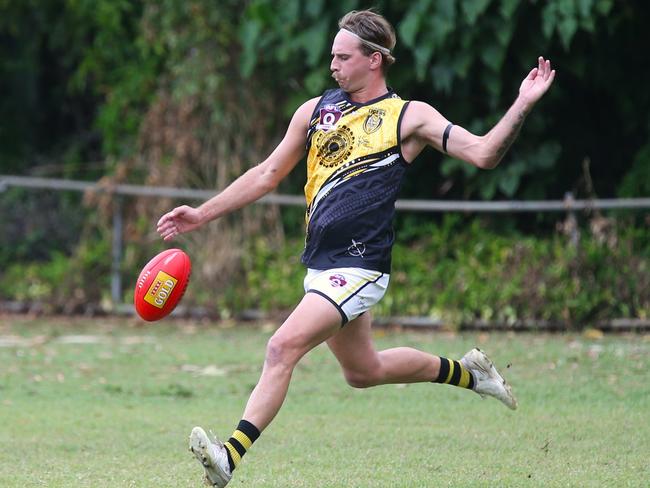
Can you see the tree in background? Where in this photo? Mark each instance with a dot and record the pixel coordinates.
(191, 93)
(84, 76)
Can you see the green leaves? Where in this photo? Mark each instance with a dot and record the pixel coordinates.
(472, 9)
(314, 40)
(409, 28)
(425, 30)
(636, 182)
(249, 38)
(567, 17)
(560, 16)
(465, 57)
(506, 179)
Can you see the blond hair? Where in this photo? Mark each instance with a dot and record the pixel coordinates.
(372, 28)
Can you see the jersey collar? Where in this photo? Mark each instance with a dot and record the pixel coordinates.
(389, 94)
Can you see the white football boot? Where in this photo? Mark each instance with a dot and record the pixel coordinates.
(212, 456)
(487, 380)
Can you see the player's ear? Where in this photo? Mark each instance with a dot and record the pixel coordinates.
(375, 60)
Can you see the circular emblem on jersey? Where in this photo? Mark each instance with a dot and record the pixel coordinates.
(334, 147)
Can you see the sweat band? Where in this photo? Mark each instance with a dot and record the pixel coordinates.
(381, 49)
(445, 136)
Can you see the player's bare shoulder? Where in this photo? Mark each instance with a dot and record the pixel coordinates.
(297, 131)
(302, 115)
(421, 125)
(418, 117)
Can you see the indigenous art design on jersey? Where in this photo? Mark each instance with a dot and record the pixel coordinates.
(354, 172)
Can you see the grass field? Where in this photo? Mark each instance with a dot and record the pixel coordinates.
(111, 403)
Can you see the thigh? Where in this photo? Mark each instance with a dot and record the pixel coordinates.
(312, 322)
(354, 347)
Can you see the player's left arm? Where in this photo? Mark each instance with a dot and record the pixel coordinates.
(428, 126)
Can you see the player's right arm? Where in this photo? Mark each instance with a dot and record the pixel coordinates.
(249, 187)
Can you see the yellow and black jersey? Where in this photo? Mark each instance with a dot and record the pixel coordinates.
(354, 171)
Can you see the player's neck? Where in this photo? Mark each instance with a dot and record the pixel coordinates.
(369, 92)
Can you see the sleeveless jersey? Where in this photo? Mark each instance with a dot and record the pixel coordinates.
(354, 171)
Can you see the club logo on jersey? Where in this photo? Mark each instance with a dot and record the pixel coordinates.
(329, 116)
(373, 120)
(337, 280)
(160, 289)
(357, 249)
(334, 148)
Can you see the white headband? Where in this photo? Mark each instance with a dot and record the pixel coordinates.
(381, 49)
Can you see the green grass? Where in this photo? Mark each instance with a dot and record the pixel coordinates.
(117, 412)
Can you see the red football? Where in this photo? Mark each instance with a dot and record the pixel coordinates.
(161, 284)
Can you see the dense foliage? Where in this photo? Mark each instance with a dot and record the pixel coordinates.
(83, 75)
(458, 271)
(191, 93)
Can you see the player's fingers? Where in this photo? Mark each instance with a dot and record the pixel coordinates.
(551, 77)
(178, 212)
(169, 233)
(532, 74)
(165, 225)
(181, 211)
(169, 216)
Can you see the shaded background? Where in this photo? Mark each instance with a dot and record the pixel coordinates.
(191, 93)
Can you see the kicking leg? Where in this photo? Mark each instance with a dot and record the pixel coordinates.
(364, 366)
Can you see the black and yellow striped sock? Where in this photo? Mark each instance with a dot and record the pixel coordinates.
(453, 373)
(240, 442)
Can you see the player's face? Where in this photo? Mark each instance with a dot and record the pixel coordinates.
(350, 67)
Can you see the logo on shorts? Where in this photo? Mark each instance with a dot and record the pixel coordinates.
(338, 280)
(329, 116)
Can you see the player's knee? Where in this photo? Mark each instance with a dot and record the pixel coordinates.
(360, 379)
(280, 351)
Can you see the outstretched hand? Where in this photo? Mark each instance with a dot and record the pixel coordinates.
(538, 81)
(181, 219)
